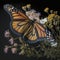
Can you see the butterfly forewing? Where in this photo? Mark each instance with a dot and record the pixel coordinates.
(20, 20)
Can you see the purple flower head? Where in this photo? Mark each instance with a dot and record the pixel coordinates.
(14, 50)
(7, 34)
(6, 49)
(11, 40)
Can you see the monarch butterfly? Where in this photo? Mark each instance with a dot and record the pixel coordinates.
(30, 30)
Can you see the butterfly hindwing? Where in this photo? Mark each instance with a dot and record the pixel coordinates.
(36, 32)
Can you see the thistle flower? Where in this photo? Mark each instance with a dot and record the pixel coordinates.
(11, 40)
(14, 50)
(6, 49)
(7, 34)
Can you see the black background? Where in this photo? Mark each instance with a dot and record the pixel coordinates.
(39, 5)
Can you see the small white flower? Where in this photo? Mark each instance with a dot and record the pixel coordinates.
(42, 21)
(54, 44)
(12, 7)
(52, 40)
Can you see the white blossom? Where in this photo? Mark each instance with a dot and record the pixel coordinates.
(54, 44)
(43, 21)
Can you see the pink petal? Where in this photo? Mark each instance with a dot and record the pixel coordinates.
(11, 41)
(6, 49)
(14, 50)
(7, 34)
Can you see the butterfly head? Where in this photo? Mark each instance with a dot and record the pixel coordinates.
(9, 7)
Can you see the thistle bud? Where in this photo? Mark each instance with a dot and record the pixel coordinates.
(28, 6)
(24, 8)
(46, 10)
(51, 11)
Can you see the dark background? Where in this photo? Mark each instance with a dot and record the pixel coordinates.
(39, 5)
